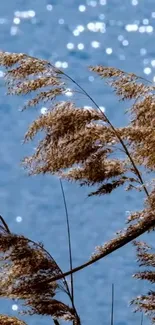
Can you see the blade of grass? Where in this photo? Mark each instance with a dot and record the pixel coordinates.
(112, 305)
(5, 225)
(141, 321)
(69, 240)
(56, 322)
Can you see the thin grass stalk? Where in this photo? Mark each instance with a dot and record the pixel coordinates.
(56, 322)
(5, 225)
(112, 305)
(141, 321)
(69, 240)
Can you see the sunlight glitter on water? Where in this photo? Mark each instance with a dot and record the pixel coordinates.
(70, 46)
(76, 32)
(96, 32)
(68, 92)
(138, 25)
(80, 28)
(59, 64)
(153, 63)
(145, 29)
(16, 21)
(19, 219)
(43, 110)
(96, 27)
(82, 8)
(109, 50)
(147, 70)
(25, 14)
(125, 42)
(49, 7)
(131, 27)
(80, 46)
(134, 2)
(64, 65)
(95, 44)
(14, 307)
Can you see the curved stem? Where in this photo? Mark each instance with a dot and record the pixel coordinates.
(71, 295)
(130, 234)
(59, 277)
(114, 130)
(69, 239)
(56, 322)
(141, 321)
(112, 305)
(50, 256)
(5, 225)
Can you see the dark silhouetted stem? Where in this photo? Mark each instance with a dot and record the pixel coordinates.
(56, 322)
(130, 234)
(5, 225)
(112, 305)
(69, 239)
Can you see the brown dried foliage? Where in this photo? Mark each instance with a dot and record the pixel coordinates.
(82, 145)
(146, 259)
(8, 320)
(26, 273)
(126, 85)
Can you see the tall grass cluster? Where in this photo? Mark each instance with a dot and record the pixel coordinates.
(83, 146)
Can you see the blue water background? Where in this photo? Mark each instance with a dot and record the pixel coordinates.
(118, 33)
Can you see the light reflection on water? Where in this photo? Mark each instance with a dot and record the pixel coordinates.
(73, 35)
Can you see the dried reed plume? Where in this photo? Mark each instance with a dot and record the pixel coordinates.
(26, 273)
(7, 320)
(146, 259)
(82, 145)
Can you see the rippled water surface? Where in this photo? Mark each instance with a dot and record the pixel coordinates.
(74, 34)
